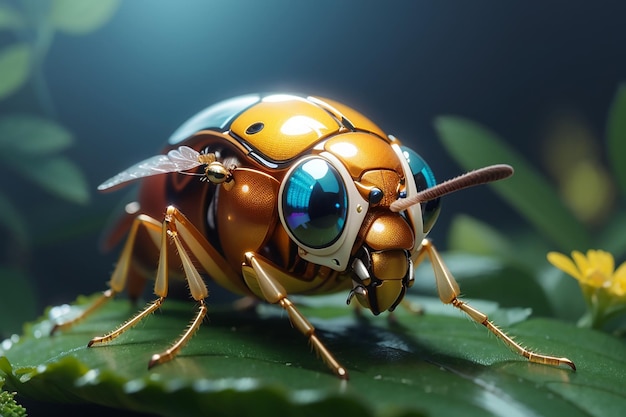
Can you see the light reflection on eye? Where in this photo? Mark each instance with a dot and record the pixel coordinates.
(424, 178)
(314, 203)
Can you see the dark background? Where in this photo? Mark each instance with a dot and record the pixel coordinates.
(122, 90)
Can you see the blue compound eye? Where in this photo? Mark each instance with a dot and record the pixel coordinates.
(424, 178)
(314, 203)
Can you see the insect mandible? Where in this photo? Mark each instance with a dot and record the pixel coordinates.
(298, 195)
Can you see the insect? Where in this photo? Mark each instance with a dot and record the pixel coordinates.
(274, 195)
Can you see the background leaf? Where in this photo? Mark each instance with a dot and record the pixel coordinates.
(470, 235)
(57, 175)
(616, 137)
(14, 66)
(79, 17)
(494, 278)
(10, 18)
(17, 302)
(612, 237)
(23, 135)
(527, 191)
(13, 221)
(29, 144)
(245, 364)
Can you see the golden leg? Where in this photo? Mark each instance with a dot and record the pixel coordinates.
(106, 296)
(449, 291)
(482, 318)
(275, 293)
(120, 274)
(187, 239)
(117, 283)
(121, 271)
(150, 308)
(171, 353)
(176, 228)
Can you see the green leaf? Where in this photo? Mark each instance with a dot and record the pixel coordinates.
(470, 235)
(611, 236)
(59, 176)
(14, 67)
(10, 18)
(18, 303)
(500, 279)
(616, 137)
(79, 17)
(527, 191)
(257, 365)
(13, 221)
(23, 135)
(28, 145)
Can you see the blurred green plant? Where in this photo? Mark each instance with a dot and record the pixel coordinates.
(32, 142)
(8, 406)
(562, 213)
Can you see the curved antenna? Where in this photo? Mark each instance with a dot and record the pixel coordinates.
(480, 176)
(176, 160)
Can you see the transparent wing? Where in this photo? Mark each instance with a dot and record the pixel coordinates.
(176, 160)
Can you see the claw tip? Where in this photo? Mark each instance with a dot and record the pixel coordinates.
(155, 360)
(569, 363)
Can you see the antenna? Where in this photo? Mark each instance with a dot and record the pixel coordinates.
(480, 176)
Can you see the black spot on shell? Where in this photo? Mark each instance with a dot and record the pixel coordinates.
(255, 128)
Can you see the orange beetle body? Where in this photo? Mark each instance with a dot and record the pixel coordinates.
(285, 194)
(263, 137)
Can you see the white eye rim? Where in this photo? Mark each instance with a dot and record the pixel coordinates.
(337, 254)
(414, 213)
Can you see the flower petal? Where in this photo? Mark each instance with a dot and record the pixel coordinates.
(618, 286)
(582, 263)
(565, 264)
(601, 261)
(620, 273)
(597, 279)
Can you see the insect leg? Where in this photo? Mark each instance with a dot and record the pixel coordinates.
(169, 230)
(188, 239)
(449, 292)
(160, 284)
(120, 274)
(275, 293)
(197, 288)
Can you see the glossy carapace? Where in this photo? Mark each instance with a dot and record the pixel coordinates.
(273, 195)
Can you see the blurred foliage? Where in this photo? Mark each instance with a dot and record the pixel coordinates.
(528, 191)
(32, 141)
(616, 138)
(577, 210)
(8, 406)
(18, 303)
(30, 144)
(14, 66)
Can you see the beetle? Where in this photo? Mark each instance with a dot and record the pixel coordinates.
(279, 194)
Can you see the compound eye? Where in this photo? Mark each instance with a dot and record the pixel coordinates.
(314, 203)
(424, 178)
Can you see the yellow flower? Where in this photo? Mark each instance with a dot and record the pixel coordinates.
(603, 287)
